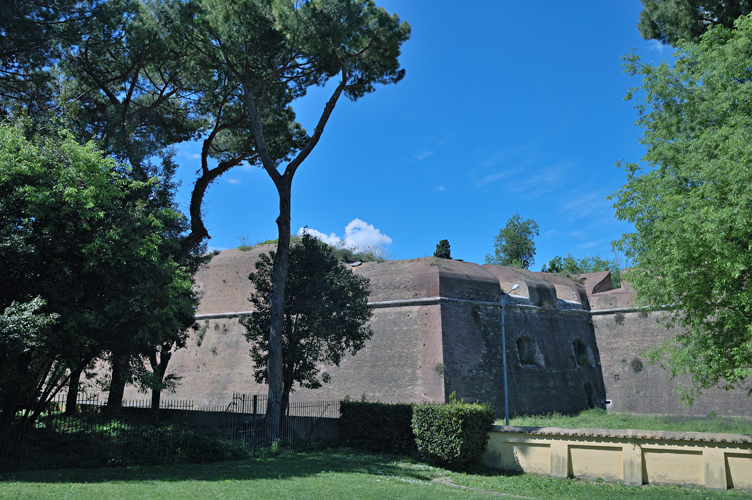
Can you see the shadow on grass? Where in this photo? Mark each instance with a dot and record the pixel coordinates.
(287, 465)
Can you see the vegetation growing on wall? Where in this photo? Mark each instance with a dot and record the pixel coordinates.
(443, 250)
(570, 265)
(514, 245)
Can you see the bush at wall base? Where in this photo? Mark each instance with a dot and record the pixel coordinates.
(382, 427)
(452, 435)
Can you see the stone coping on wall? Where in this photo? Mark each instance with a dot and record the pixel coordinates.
(626, 434)
(515, 301)
(627, 310)
(635, 457)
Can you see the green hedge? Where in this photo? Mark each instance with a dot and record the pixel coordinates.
(378, 427)
(86, 441)
(452, 435)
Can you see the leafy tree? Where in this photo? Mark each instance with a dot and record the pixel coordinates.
(273, 52)
(31, 42)
(514, 245)
(77, 234)
(442, 250)
(589, 264)
(690, 205)
(326, 310)
(27, 355)
(672, 20)
(113, 73)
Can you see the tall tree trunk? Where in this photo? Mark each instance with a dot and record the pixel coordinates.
(71, 399)
(159, 367)
(277, 310)
(155, 397)
(283, 183)
(117, 385)
(9, 430)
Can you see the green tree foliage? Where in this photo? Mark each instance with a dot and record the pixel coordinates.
(514, 245)
(30, 44)
(690, 204)
(270, 53)
(28, 354)
(442, 250)
(326, 311)
(77, 233)
(589, 264)
(672, 20)
(112, 72)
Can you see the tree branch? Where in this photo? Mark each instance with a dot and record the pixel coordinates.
(292, 167)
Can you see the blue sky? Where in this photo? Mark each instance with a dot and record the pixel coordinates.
(506, 107)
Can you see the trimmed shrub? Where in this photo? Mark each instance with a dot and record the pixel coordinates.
(380, 427)
(452, 435)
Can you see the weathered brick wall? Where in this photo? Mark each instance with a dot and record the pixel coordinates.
(554, 382)
(394, 365)
(401, 279)
(624, 337)
(437, 330)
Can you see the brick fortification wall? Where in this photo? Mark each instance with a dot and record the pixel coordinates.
(437, 330)
(624, 335)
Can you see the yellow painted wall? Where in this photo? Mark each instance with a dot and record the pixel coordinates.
(717, 461)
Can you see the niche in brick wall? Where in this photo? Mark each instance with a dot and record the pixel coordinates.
(528, 352)
(583, 356)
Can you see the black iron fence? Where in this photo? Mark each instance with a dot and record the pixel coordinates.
(186, 432)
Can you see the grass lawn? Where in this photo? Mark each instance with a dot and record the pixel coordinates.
(339, 474)
(599, 419)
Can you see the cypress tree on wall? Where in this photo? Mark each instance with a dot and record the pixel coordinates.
(442, 250)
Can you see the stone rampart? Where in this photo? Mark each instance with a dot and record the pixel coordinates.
(437, 330)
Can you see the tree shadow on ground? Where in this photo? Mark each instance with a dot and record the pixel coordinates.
(286, 465)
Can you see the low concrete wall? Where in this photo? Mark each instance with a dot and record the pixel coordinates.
(717, 461)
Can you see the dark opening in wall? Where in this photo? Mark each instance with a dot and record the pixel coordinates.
(582, 355)
(526, 351)
(590, 394)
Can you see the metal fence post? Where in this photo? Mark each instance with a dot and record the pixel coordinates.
(253, 428)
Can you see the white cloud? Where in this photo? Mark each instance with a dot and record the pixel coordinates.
(358, 234)
(655, 45)
(233, 181)
(332, 239)
(586, 204)
(362, 234)
(441, 188)
(423, 156)
(491, 178)
(589, 244)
